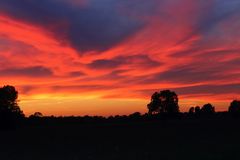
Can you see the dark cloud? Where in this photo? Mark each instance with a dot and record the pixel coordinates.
(102, 24)
(179, 75)
(140, 61)
(198, 53)
(16, 47)
(209, 15)
(105, 64)
(114, 75)
(207, 70)
(26, 89)
(76, 74)
(210, 89)
(36, 71)
(220, 10)
(96, 26)
(200, 89)
(86, 88)
(235, 62)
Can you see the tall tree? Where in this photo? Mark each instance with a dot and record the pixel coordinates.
(165, 101)
(9, 109)
(169, 101)
(234, 107)
(154, 105)
(208, 109)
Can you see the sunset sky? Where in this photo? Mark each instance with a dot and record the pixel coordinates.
(107, 57)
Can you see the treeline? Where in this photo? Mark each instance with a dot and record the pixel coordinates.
(166, 101)
(163, 105)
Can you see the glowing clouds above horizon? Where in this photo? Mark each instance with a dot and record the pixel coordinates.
(121, 49)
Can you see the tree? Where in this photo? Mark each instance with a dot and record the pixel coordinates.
(135, 115)
(169, 101)
(234, 107)
(36, 115)
(154, 105)
(197, 109)
(191, 110)
(165, 101)
(208, 109)
(9, 109)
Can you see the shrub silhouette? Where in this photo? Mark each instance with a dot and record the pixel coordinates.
(165, 101)
(9, 109)
(234, 107)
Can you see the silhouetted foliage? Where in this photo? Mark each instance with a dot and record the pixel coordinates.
(191, 110)
(36, 115)
(197, 110)
(136, 115)
(165, 101)
(154, 105)
(234, 107)
(208, 109)
(124, 137)
(10, 112)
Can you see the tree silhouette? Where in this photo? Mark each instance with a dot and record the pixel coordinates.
(169, 101)
(136, 115)
(234, 107)
(154, 105)
(208, 109)
(165, 101)
(191, 110)
(36, 115)
(197, 110)
(9, 109)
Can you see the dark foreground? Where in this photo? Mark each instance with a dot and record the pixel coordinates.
(193, 139)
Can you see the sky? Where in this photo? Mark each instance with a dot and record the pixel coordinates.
(92, 57)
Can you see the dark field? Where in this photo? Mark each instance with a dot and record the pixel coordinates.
(193, 139)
